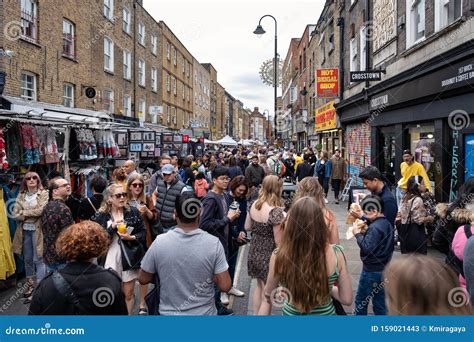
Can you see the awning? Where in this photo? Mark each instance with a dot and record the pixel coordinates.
(41, 111)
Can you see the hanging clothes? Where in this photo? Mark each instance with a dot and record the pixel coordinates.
(29, 140)
(10, 197)
(7, 261)
(106, 146)
(87, 144)
(3, 151)
(47, 145)
(13, 144)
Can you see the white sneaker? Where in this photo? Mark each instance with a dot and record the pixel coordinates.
(224, 298)
(326, 201)
(236, 292)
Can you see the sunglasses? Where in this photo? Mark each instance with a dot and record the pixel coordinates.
(123, 194)
(62, 186)
(30, 178)
(137, 185)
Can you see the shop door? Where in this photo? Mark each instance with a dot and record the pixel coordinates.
(387, 155)
(469, 160)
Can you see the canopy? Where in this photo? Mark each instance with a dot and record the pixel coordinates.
(227, 140)
(245, 142)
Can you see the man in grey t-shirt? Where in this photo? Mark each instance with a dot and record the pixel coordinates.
(188, 261)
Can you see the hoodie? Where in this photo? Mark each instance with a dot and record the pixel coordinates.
(200, 187)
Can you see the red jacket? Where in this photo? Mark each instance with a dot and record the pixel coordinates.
(200, 187)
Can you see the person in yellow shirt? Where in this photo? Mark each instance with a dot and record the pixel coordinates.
(410, 168)
(298, 160)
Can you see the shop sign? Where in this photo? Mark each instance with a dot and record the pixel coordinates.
(185, 138)
(379, 101)
(465, 73)
(326, 117)
(156, 110)
(327, 83)
(362, 76)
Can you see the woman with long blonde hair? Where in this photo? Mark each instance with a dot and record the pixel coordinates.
(423, 286)
(307, 265)
(125, 226)
(264, 221)
(310, 186)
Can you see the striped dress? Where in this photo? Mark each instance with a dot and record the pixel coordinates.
(322, 310)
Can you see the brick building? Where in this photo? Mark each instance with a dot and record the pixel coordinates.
(202, 100)
(213, 98)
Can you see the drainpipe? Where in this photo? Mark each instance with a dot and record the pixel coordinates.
(340, 23)
(134, 58)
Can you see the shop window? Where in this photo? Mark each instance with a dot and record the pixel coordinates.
(447, 12)
(422, 145)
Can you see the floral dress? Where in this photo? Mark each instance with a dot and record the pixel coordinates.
(263, 244)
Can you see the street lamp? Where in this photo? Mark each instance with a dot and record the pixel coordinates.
(259, 31)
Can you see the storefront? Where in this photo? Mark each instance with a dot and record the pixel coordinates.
(330, 136)
(432, 114)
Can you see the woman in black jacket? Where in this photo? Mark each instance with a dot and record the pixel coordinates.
(81, 288)
(127, 231)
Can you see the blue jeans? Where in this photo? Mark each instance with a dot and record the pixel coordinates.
(400, 193)
(371, 287)
(33, 263)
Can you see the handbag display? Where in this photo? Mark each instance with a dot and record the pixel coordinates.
(132, 253)
(412, 236)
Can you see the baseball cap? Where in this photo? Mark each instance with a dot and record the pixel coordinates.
(167, 169)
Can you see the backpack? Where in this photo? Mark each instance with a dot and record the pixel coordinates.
(456, 263)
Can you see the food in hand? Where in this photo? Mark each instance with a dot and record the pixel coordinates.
(354, 207)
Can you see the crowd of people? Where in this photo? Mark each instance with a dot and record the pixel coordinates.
(176, 238)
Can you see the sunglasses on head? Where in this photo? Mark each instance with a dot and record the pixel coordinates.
(123, 194)
(30, 178)
(137, 185)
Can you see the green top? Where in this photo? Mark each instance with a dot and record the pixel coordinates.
(321, 310)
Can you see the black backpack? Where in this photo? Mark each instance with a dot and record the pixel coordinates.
(321, 170)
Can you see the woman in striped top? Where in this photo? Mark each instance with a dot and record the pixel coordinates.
(307, 266)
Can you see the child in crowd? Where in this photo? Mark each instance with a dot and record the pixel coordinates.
(376, 249)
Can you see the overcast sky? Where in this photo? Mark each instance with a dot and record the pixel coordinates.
(221, 32)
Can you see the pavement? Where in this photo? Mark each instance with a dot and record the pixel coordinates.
(11, 300)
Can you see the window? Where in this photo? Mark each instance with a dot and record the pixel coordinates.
(141, 72)
(363, 48)
(175, 56)
(168, 54)
(322, 48)
(174, 115)
(168, 120)
(188, 95)
(184, 66)
(68, 39)
(353, 54)
(108, 101)
(415, 21)
(68, 95)
(168, 86)
(126, 20)
(127, 105)
(109, 9)
(174, 86)
(141, 110)
(28, 19)
(141, 33)
(446, 12)
(28, 86)
(154, 43)
(127, 61)
(154, 81)
(108, 54)
(189, 71)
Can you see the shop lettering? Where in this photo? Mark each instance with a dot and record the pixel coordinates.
(379, 101)
(465, 73)
(454, 167)
(385, 22)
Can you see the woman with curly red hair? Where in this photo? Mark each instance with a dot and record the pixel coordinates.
(82, 287)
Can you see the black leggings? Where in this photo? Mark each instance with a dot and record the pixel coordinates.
(336, 186)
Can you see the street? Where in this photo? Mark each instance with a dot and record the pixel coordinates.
(11, 300)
